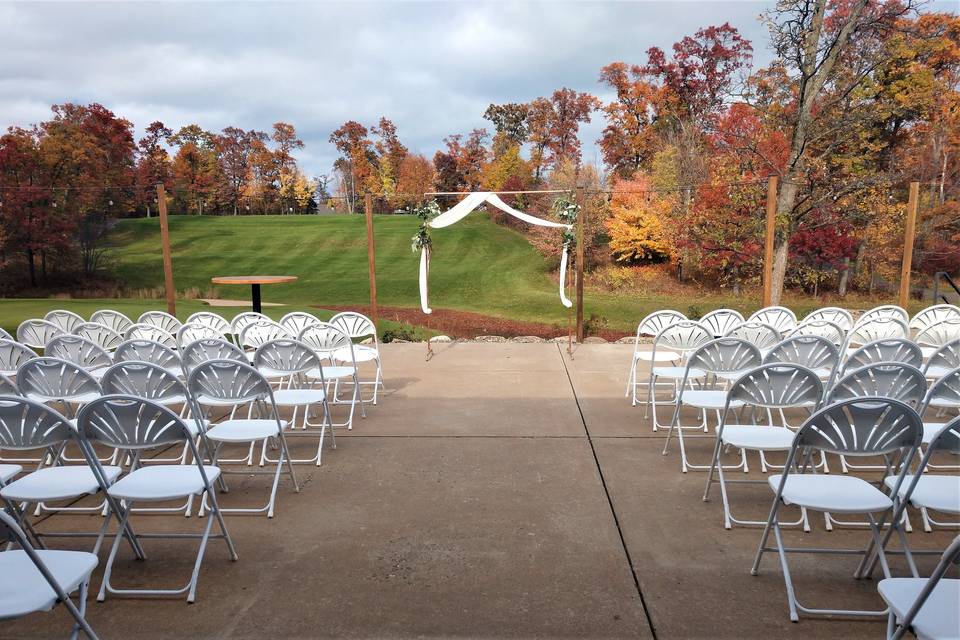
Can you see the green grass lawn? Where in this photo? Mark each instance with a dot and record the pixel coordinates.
(477, 266)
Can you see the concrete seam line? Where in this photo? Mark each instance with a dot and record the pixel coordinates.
(606, 492)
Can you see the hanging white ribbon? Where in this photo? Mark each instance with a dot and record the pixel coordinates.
(460, 211)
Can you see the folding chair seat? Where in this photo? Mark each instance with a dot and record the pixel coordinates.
(925, 606)
(68, 321)
(112, 319)
(229, 382)
(36, 580)
(770, 386)
(870, 426)
(161, 320)
(944, 396)
(359, 327)
(134, 424)
(836, 315)
(681, 337)
(37, 333)
(99, 334)
(723, 358)
(292, 360)
(325, 340)
(650, 326)
(780, 318)
(8, 472)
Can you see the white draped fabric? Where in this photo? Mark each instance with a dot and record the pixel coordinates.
(460, 211)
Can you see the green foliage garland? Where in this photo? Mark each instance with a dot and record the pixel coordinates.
(426, 213)
(567, 210)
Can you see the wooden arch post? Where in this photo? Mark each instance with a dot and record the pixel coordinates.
(909, 237)
(768, 241)
(165, 244)
(371, 259)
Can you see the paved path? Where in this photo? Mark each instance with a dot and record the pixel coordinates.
(499, 490)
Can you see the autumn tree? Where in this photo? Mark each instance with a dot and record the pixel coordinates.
(415, 176)
(637, 223)
(153, 164)
(629, 139)
(553, 126)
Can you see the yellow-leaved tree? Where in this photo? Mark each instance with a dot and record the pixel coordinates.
(636, 223)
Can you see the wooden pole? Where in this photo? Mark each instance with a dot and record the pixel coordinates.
(909, 236)
(371, 259)
(768, 243)
(581, 218)
(167, 258)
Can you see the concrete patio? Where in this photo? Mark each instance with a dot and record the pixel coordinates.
(498, 490)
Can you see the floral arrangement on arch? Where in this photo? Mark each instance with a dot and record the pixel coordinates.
(426, 212)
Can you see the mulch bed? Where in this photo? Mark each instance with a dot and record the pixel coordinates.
(466, 324)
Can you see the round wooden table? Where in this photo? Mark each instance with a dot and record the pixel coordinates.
(254, 282)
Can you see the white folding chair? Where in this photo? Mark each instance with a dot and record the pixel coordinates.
(874, 330)
(66, 320)
(153, 333)
(57, 381)
(5, 335)
(12, 355)
(762, 336)
(210, 319)
(724, 360)
(26, 425)
(925, 606)
(680, 338)
(885, 311)
(290, 360)
(885, 350)
(112, 320)
(770, 386)
(721, 321)
(359, 327)
(326, 340)
(937, 335)
(36, 580)
(37, 333)
(651, 326)
(80, 351)
(943, 396)
(943, 360)
(132, 425)
(296, 321)
(260, 332)
(780, 318)
(857, 427)
(230, 384)
(193, 331)
(836, 315)
(823, 328)
(100, 334)
(142, 350)
(161, 320)
(241, 320)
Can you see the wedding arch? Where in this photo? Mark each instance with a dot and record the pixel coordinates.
(460, 211)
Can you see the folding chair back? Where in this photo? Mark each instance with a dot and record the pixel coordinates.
(759, 334)
(721, 321)
(139, 350)
(26, 424)
(946, 357)
(813, 352)
(778, 385)
(324, 339)
(112, 319)
(66, 320)
(99, 334)
(683, 336)
(8, 387)
(241, 320)
(780, 318)
(657, 321)
(78, 350)
(193, 331)
(945, 392)
(210, 319)
(286, 355)
(143, 331)
(886, 328)
(886, 350)
(55, 379)
(260, 332)
(13, 354)
(940, 333)
(823, 328)
(355, 325)
(228, 382)
(869, 426)
(886, 379)
(4, 335)
(131, 423)
(37, 333)
(208, 349)
(160, 320)
(296, 321)
(885, 311)
(932, 315)
(143, 380)
(725, 355)
(836, 315)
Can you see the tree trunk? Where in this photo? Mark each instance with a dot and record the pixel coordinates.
(844, 277)
(32, 268)
(780, 253)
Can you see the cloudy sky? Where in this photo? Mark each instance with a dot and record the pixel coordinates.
(430, 67)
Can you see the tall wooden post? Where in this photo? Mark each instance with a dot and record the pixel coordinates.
(768, 242)
(371, 259)
(581, 219)
(909, 236)
(167, 258)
